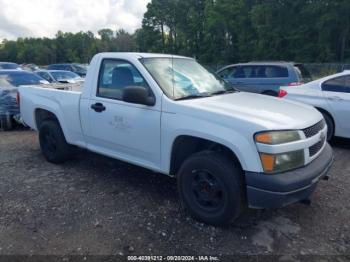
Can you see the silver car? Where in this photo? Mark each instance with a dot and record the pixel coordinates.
(264, 77)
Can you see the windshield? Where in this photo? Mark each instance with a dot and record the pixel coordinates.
(21, 78)
(64, 75)
(9, 66)
(183, 77)
(80, 68)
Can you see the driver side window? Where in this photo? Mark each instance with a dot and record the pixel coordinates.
(115, 75)
(339, 84)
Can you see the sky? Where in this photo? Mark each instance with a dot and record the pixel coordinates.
(43, 18)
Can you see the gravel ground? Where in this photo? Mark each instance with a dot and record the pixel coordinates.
(97, 205)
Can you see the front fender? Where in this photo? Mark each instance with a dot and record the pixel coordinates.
(241, 145)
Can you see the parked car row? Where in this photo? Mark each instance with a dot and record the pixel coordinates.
(79, 69)
(13, 75)
(59, 76)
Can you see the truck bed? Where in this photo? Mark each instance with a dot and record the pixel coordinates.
(66, 87)
(63, 100)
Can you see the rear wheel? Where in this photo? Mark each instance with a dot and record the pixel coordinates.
(6, 123)
(53, 143)
(330, 125)
(210, 187)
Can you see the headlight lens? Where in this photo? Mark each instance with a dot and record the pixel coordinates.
(277, 137)
(274, 163)
(282, 162)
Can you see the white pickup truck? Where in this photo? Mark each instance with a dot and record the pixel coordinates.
(227, 149)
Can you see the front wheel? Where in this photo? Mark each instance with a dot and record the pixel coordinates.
(210, 187)
(53, 143)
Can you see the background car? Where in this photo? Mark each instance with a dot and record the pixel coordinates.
(9, 66)
(8, 104)
(331, 96)
(18, 78)
(264, 77)
(30, 67)
(75, 68)
(9, 81)
(59, 76)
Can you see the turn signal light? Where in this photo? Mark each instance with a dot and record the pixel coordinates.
(268, 162)
(264, 138)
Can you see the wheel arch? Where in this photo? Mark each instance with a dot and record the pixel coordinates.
(41, 115)
(186, 145)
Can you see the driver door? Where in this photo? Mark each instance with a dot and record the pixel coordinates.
(126, 131)
(337, 93)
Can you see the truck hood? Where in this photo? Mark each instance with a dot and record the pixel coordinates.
(267, 112)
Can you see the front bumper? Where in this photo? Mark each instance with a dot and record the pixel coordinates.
(278, 190)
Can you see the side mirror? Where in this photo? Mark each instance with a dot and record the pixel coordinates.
(138, 95)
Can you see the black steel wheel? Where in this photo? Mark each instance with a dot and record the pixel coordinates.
(210, 187)
(53, 143)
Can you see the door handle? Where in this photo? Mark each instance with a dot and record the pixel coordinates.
(98, 107)
(335, 98)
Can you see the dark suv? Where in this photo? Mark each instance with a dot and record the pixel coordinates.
(75, 68)
(264, 77)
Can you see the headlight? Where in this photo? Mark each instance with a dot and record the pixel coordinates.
(277, 137)
(274, 163)
(282, 162)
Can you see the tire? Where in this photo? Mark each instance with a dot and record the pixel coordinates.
(6, 122)
(330, 125)
(53, 143)
(210, 187)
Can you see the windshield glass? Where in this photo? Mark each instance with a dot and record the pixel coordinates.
(64, 75)
(80, 68)
(21, 78)
(9, 66)
(182, 77)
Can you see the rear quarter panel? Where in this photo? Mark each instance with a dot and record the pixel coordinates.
(63, 104)
(306, 95)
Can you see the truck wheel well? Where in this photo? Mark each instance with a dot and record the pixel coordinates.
(185, 146)
(42, 115)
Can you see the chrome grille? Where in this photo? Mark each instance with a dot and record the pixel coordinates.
(315, 129)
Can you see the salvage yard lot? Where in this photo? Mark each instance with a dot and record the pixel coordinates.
(97, 205)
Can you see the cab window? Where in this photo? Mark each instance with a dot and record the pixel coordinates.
(115, 75)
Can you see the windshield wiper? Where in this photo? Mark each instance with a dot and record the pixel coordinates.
(222, 92)
(192, 97)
